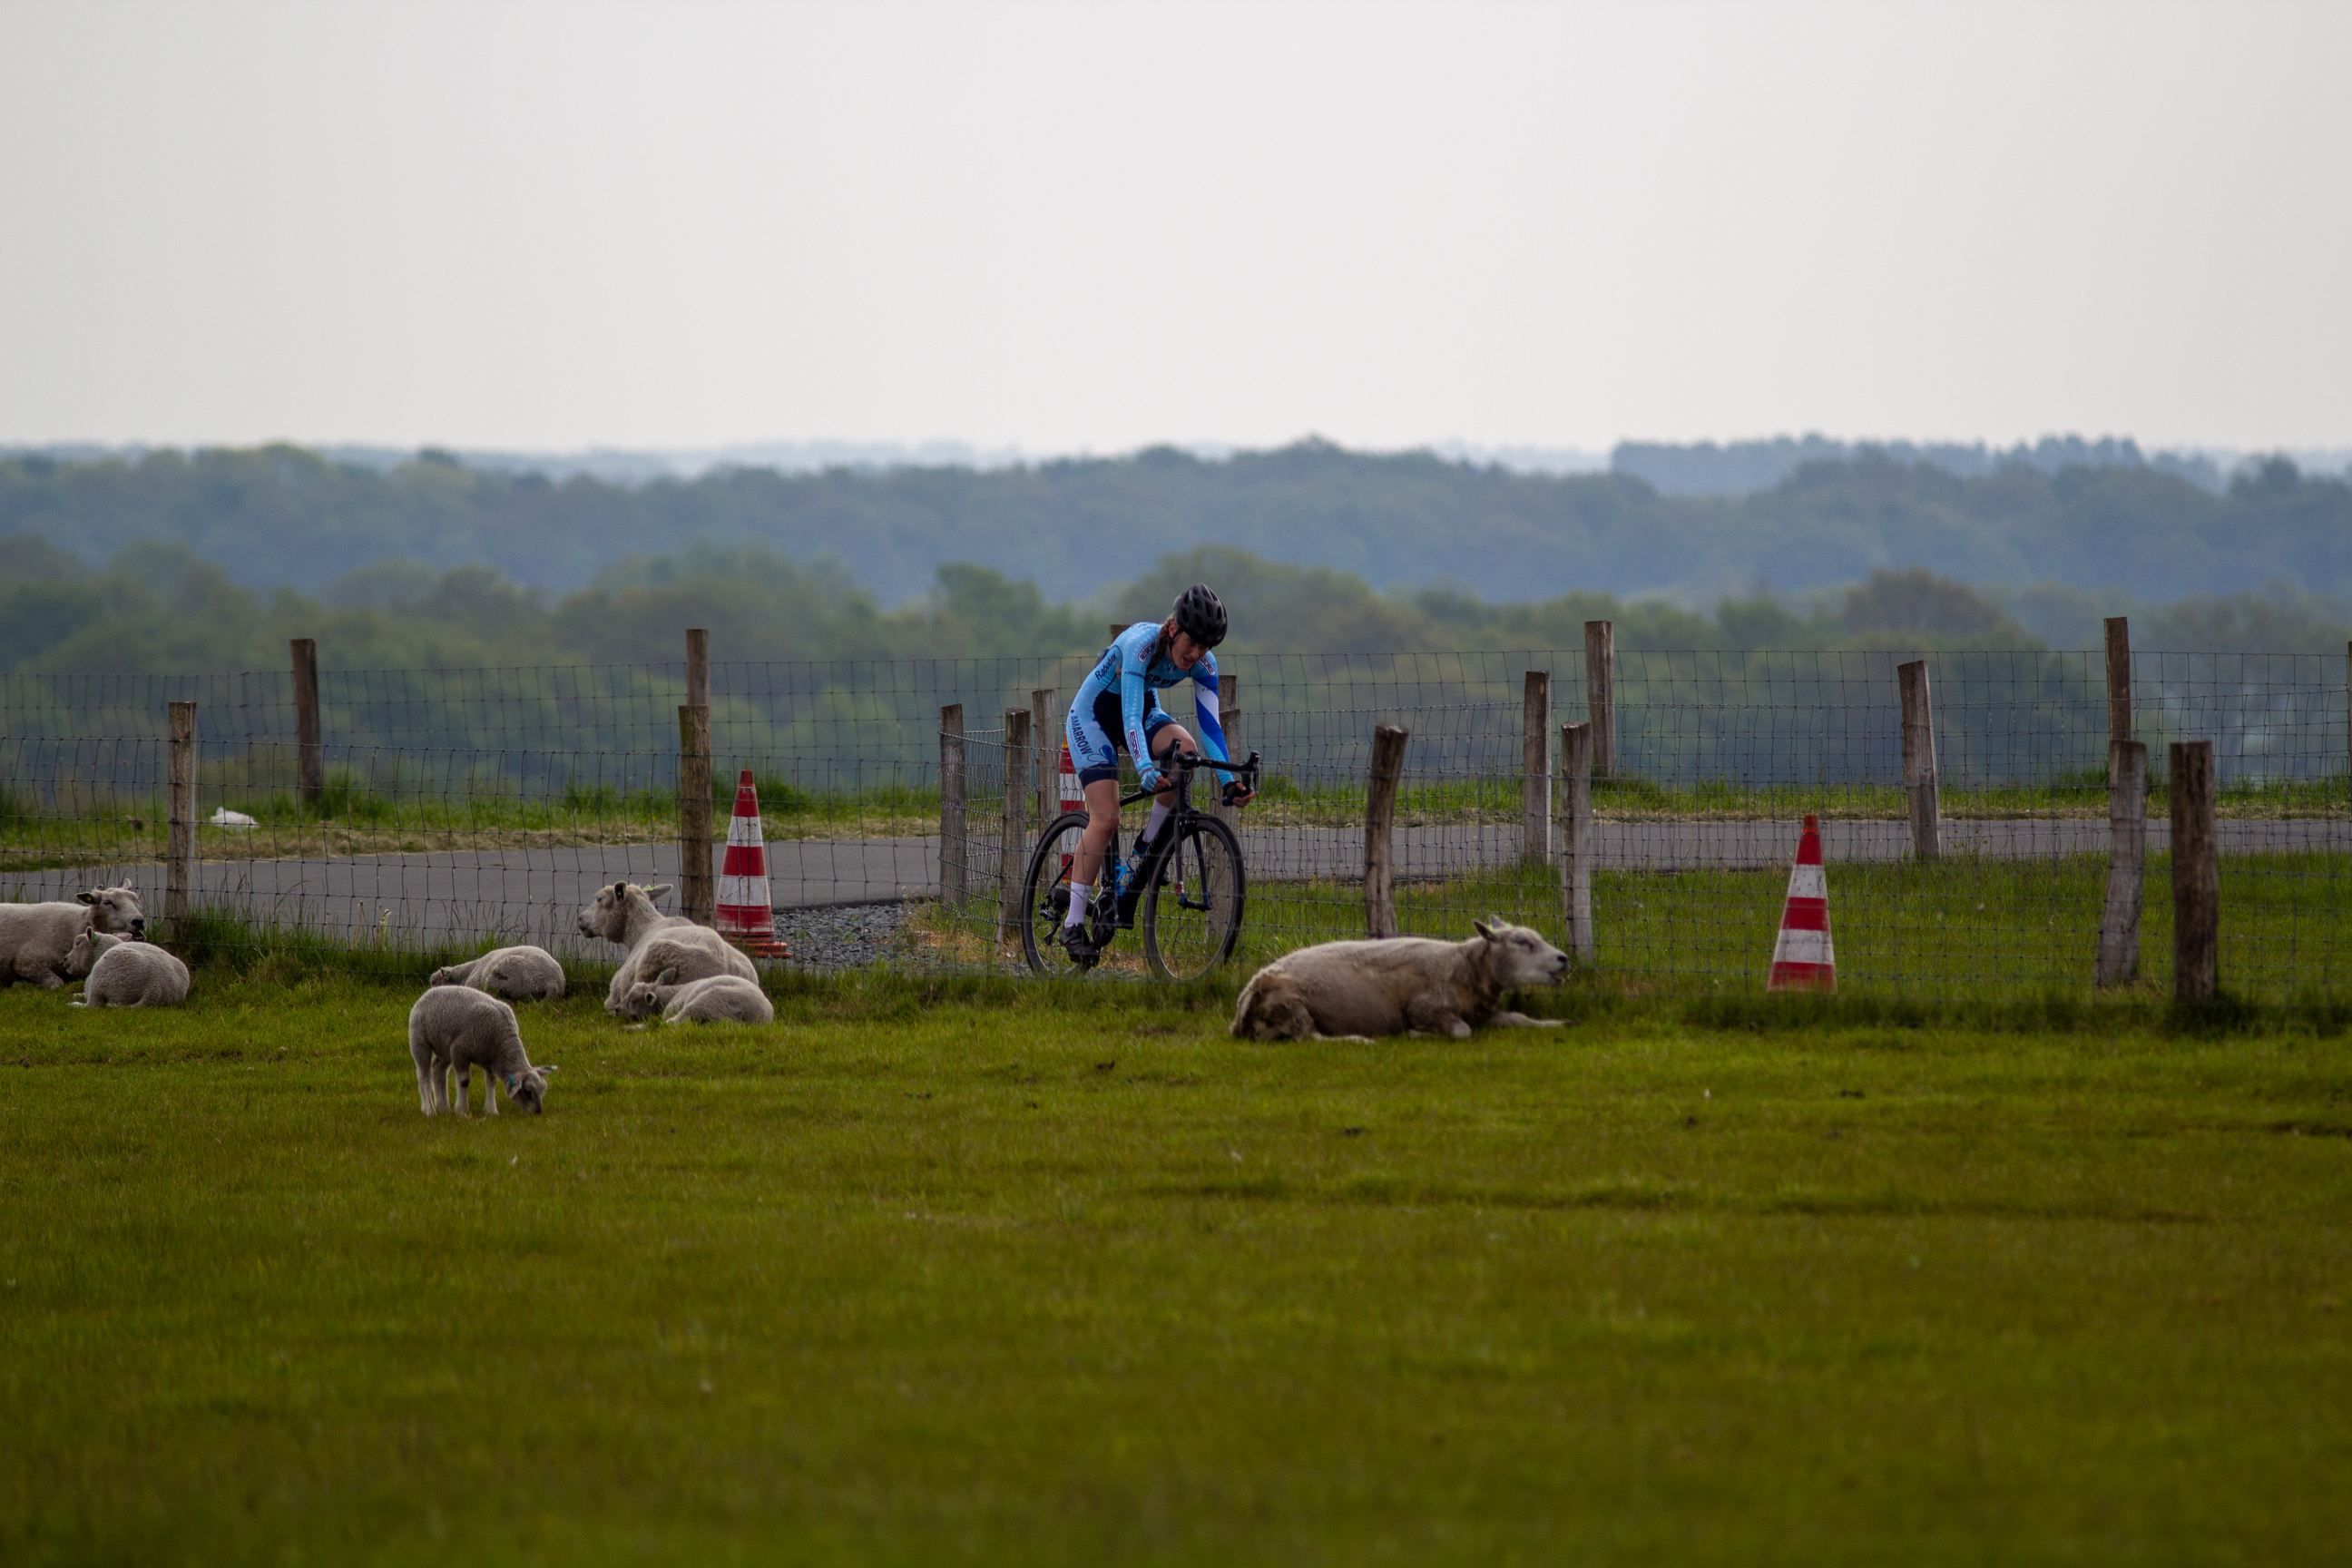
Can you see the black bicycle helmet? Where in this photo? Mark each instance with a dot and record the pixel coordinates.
(1201, 616)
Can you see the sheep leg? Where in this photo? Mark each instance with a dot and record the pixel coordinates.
(1521, 1021)
(462, 1079)
(1437, 1016)
(490, 1091)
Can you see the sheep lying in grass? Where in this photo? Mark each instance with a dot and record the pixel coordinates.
(657, 941)
(719, 999)
(125, 974)
(34, 938)
(517, 973)
(1354, 990)
(452, 1029)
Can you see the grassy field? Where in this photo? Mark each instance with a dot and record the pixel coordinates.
(77, 828)
(985, 1273)
(1983, 929)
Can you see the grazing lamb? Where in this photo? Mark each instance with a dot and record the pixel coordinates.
(1354, 990)
(125, 974)
(517, 974)
(657, 941)
(34, 938)
(453, 1027)
(719, 999)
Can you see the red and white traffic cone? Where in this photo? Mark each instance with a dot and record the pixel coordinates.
(1073, 799)
(1803, 960)
(745, 914)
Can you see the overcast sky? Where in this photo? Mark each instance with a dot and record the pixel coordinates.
(1094, 227)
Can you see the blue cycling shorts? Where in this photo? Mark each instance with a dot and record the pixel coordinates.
(1097, 737)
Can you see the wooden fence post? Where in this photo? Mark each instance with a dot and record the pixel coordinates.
(697, 667)
(1601, 694)
(697, 890)
(2127, 830)
(1576, 838)
(309, 758)
(2119, 684)
(1535, 769)
(1919, 761)
(954, 844)
(1380, 816)
(1012, 849)
(180, 815)
(1049, 756)
(2196, 875)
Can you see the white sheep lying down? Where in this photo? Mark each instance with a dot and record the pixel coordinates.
(453, 1029)
(1355, 990)
(34, 938)
(716, 999)
(517, 973)
(656, 941)
(125, 974)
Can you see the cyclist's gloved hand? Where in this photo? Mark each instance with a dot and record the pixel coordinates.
(1235, 795)
(1147, 777)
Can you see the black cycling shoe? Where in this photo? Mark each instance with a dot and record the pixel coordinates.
(1078, 941)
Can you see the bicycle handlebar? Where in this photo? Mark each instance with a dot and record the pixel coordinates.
(1190, 761)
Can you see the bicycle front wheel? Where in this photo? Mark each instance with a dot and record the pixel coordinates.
(1192, 913)
(1046, 894)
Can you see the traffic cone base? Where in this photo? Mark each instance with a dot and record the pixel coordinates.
(745, 914)
(1804, 959)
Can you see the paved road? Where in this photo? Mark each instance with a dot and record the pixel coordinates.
(536, 894)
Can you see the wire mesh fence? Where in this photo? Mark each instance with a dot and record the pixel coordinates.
(451, 808)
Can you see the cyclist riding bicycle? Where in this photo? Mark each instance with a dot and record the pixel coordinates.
(1117, 709)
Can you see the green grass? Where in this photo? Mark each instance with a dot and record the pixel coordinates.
(982, 1272)
(1990, 930)
(350, 819)
(1496, 799)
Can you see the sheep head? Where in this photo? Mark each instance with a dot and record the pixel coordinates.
(1516, 956)
(528, 1087)
(617, 907)
(116, 909)
(86, 950)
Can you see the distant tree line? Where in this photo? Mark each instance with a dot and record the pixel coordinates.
(159, 608)
(1080, 529)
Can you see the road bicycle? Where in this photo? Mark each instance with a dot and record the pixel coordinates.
(1185, 890)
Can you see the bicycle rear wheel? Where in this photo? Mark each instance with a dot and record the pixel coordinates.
(1192, 920)
(1046, 894)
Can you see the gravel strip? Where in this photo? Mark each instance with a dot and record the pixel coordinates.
(848, 938)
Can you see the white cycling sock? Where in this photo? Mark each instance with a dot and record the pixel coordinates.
(1152, 824)
(1082, 897)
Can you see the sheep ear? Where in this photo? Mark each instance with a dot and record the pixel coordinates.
(1481, 928)
(89, 898)
(548, 1068)
(669, 976)
(660, 888)
(620, 889)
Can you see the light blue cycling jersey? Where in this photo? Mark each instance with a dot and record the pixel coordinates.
(1122, 669)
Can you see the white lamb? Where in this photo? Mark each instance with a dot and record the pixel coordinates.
(717, 999)
(517, 973)
(34, 938)
(656, 941)
(454, 1028)
(1354, 990)
(125, 974)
